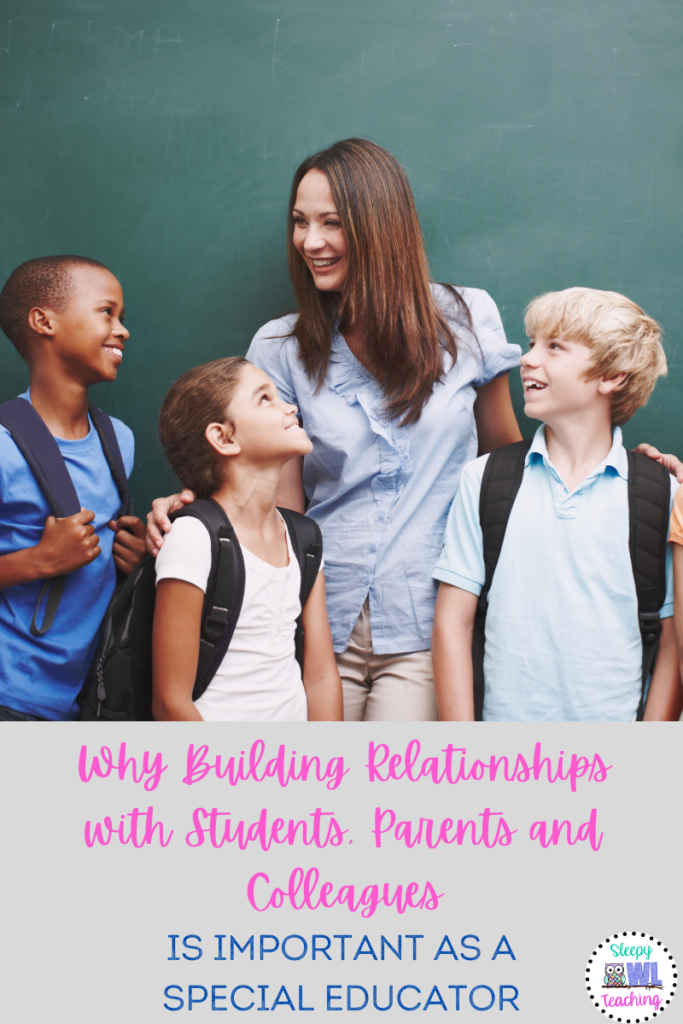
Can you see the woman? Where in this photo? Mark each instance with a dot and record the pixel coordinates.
(399, 382)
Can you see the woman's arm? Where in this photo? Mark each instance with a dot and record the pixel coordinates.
(158, 523)
(321, 677)
(665, 699)
(494, 415)
(452, 653)
(175, 650)
(290, 489)
(670, 462)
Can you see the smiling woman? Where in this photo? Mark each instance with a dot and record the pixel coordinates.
(394, 378)
(317, 234)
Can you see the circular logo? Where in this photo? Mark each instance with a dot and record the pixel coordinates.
(631, 977)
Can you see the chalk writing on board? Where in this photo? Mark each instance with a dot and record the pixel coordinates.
(60, 38)
(14, 34)
(121, 33)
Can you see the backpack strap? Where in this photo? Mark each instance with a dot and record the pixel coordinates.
(307, 544)
(41, 451)
(112, 453)
(224, 589)
(45, 460)
(499, 486)
(649, 492)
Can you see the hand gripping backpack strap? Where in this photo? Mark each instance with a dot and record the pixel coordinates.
(649, 491)
(499, 486)
(112, 453)
(41, 451)
(307, 544)
(224, 589)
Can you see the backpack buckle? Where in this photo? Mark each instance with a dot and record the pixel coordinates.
(217, 617)
(650, 626)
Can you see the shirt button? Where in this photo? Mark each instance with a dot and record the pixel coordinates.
(560, 487)
(373, 547)
(381, 517)
(385, 423)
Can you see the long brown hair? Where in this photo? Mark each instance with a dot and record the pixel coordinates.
(386, 291)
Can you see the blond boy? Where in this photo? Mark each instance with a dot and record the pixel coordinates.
(562, 634)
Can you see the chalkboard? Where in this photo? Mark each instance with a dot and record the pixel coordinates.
(542, 140)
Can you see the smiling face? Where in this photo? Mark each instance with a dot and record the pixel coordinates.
(554, 376)
(317, 232)
(265, 428)
(89, 335)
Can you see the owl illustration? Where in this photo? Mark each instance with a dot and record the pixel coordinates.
(614, 975)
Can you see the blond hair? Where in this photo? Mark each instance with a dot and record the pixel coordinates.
(621, 337)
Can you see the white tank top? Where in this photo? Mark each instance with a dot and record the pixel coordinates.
(259, 678)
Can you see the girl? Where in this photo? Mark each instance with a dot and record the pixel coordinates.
(227, 435)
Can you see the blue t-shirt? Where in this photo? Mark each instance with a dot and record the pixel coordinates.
(43, 675)
(562, 635)
(381, 491)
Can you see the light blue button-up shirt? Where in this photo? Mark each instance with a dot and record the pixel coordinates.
(381, 492)
(562, 636)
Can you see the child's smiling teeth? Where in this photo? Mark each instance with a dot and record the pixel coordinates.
(534, 385)
(115, 351)
(326, 262)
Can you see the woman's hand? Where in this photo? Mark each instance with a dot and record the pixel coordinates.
(158, 522)
(674, 465)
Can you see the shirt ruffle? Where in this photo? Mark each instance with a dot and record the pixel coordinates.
(357, 386)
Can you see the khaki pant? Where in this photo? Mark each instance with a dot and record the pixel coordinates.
(385, 687)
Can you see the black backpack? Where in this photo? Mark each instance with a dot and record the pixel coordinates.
(649, 491)
(41, 451)
(119, 683)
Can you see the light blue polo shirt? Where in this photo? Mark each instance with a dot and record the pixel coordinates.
(381, 491)
(562, 636)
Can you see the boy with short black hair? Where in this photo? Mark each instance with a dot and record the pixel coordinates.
(64, 315)
(563, 640)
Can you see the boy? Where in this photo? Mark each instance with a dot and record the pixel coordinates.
(64, 315)
(562, 634)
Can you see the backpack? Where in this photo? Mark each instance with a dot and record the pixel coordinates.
(649, 491)
(41, 451)
(119, 684)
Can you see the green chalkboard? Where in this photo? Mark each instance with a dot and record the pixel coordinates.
(542, 139)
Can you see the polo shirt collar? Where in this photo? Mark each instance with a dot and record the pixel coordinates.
(616, 458)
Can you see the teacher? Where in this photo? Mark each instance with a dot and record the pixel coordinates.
(399, 383)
